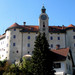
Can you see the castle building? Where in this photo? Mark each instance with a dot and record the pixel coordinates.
(18, 40)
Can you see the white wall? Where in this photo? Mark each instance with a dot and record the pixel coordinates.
(55, 40)
(3, 52)
(21, 42)
(66, 67)
(30, 41)
(70, 41)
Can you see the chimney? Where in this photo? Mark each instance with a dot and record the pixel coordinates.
(57, 47)
(62, 26)
(24, 23)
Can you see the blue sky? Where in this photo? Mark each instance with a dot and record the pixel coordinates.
(60, 12)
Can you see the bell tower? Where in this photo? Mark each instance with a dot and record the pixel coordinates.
(43, 22)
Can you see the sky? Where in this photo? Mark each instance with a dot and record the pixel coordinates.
(60, 12)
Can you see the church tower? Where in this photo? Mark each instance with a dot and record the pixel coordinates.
(43, 22)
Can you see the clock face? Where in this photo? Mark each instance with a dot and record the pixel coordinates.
(43, 17)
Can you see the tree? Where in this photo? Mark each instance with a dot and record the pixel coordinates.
(25, 67)
(42, 58)
(3, 66)
(22, 68)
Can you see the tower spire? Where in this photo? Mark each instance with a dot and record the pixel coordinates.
(43, 10)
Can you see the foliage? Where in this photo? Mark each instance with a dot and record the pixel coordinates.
(42, 61)
(21, 69)
(25, 67)
(3, 66)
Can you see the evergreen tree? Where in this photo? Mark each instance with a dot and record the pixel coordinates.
(42, 59)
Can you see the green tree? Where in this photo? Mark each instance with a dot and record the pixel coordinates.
(25, 67)
(42, 58)
(22, 68)
(12, 70)
(2, 66)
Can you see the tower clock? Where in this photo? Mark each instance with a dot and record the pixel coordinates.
(43, 22)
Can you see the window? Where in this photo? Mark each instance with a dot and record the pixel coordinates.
(14, 29)
(57, 65)
(4, 49)
(58, 45)
(28, 52)
(17, 51)
(28, 37)
(43, 25)
(28, 45)
(51, 38)
(51, 45)
(2, 55)
(73, 37)
(14, 44)
(58, 38)
(14, 36)
(7, 45)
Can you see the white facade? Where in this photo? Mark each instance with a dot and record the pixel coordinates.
(19, 39)
(65, 67)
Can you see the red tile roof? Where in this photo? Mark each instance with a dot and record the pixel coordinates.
(58, 27)
(71, 25)
(62, 51)
(14, 25)
(31, 27)
(2, 36)
(35, 28)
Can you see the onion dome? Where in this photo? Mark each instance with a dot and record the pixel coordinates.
(15, 25)
(71, 25)
(43, 10)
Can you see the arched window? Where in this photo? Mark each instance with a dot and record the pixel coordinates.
(43, 24)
